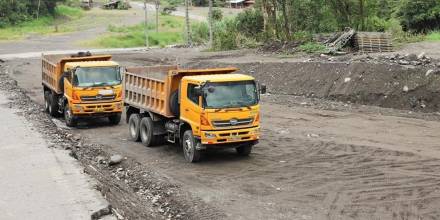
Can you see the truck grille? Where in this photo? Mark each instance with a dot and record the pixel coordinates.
(97, 98)
(233, 122)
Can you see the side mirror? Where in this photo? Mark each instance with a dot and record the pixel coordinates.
(198, 91)
(263, 89)
(121, 72)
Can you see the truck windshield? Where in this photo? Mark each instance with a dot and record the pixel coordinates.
(96, 76)
(230, 94)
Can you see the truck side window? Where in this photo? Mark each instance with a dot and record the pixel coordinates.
(191, 93)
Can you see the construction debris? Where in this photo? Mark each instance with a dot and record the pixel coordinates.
(117, 4)
(373, 42)
(365, 42)
(340, 42)
(86, 4)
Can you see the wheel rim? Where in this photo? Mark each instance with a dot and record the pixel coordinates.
(46, 103)
(50, 107)
(144, 133)
(133, 130)
(188, 148)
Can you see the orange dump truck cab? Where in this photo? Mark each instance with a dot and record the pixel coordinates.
(197, 108)
(82, 86)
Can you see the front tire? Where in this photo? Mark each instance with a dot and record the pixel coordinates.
(244, 150)
(71, 120)
(133, 127)
(115, 119)
(189, 144)
(46, 101)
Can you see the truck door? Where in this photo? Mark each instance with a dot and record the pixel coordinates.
(190, 109)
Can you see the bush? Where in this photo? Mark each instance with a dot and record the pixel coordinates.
(250, 22)
(217, 14)
(200, 32)
(302, 36)
(225, 35)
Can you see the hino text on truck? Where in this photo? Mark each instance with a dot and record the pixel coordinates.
(82, 86)
(197, 108)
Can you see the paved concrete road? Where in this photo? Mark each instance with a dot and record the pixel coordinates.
(37, 182)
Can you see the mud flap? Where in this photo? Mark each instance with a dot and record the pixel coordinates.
(199, 145)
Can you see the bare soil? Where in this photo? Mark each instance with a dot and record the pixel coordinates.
(320, 156)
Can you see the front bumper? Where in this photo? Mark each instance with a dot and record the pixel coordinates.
(230, 136)
(97, 109)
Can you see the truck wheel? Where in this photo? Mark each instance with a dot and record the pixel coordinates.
(70, 119)
(189, 143)
(146, 131)
(46, 101)
(53, 105)
(133, 127)
(174, 103)
(115, 119)
(244, 150)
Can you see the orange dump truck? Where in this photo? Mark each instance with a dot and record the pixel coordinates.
(196, 108)
(82, 86)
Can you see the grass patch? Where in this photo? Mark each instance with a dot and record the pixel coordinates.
(170, 32)
(313, 48)
(69, 12)
(43, 25)
(433, 36)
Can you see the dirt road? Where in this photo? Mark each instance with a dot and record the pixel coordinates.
(317, 159)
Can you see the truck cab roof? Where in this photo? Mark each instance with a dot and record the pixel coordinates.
(219, 77)
(71, 65)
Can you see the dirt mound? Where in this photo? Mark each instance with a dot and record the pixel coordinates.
(380, 84)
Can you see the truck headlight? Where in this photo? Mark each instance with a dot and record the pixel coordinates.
(209, 135)
(77, 108)
(118, 105)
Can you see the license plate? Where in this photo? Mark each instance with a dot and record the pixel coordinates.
(235, 138)
(99, 109)
(105, 92)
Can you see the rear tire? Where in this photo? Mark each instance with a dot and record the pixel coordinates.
(46, 101)
(133, 127)
(53, 105)
(115, 119)
(146, 131)
(244, 150)
(189, 144)
(71, 120)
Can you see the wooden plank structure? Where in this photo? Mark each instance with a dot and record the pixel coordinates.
(373, 42)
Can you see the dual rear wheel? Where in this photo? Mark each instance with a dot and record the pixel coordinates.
(141, 129)
(50, 103)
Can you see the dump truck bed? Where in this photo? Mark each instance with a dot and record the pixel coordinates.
(150, 88)
(53, 67)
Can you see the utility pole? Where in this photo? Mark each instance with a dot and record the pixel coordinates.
(210, 24)
(188, 30)
(146, 24)
(157, 15)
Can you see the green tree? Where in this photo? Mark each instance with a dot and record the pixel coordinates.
(420, 15)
